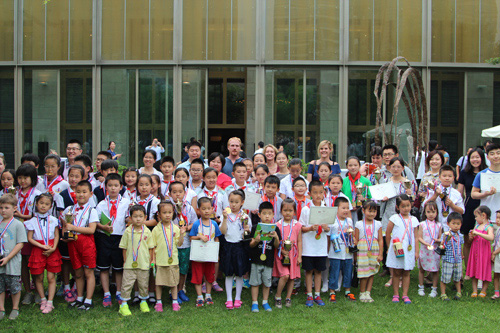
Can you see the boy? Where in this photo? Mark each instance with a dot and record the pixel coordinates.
(167, 167)
(299, 187)
(196, 173)
(86, 163)
(12, 239)
(82, 250)
(108, 237)
(286, 185)
(271, 188)
(208, 231)
(186, 216)
(101, 157)
(490, 198)
(239, 182)
(137, 245)
(52, 182)
(343, 260)
(451, 266)
(107, 167)
(446, 197)
(262, 258)
(376, 158)
(314, 245)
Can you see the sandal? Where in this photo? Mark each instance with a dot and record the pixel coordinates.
(473, 295)
(482, 294)
(494, 297)
(406, 300)
(389, 283)
(395, 299)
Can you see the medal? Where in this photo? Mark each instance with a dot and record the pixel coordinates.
(170, 261)
(410, 247)
(135, 254)
(408, 230)
(170, 243)
(445, 213)
(135, 264)
(263, 257)
(317, 236)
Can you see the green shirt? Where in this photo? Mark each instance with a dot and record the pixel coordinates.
(346, 187)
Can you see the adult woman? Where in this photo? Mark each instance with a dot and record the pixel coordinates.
(216, 160)
(258, 159)
(149, 158)
(475, 163)
(111, 150)
(434, 161)
(2, 162)
(270, 152)
(325, 150)
(282, 161)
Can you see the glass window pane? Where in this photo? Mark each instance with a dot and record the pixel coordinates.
(360, 29)
(81, 30)
(482, 94)
(277, 32)
(193, 105)
(194, 30)
(57, 30)
(443, 31)
(137, 32)
(302, 30)
(33, 30)
(410, 30)
(112, 44)
(327, 29)
(215, 101)
(162, 29)
(7, 30)
(385, 30)
(7, 116)
(219, 31)
(490, 21)
(235, 112)
(468, 31)
(244, 30)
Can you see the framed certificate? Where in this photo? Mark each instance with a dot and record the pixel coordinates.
(322, 215)
(204, 252)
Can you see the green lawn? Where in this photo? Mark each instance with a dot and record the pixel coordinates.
(424, 314)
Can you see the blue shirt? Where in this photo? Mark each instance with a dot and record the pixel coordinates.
(228, 167)
(205, 230)
(313, 170)
(453, 248)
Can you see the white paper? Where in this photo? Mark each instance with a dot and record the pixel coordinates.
(322, 215)
(489, 180)
(252, 200)
(378, 192)
(204, 252)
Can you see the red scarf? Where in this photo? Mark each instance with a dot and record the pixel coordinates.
(50, 186)
(353, 183)
(300, 204)
(73, 196)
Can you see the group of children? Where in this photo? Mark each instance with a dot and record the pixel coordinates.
(139, 225)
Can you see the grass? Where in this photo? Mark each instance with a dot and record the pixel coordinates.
(424, 314)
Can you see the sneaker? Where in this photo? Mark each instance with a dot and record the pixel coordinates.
(350, 297)
(309, 302)
(267, 307)
(324, 288)
(458, 296)
(152, 299)
(75, 304)
(28, 299)
(124, 310)
(209, 301)
(444, 297)
(216, 287)
(85, 306)
(14, 314)
(433, 293)
(199, 303)
(295, 291)
(204, 288)
(69, 296)
(332, 298)
(246, 283)
(237, 304)
(144, 306)
(278, 304)
(288, 303)
(106, 301)
(175, 307)
(318, 301)
(362, 297)
(421, 292)
(255, 307)
(43, 303)
(119, 299)
(182, 296)
(229, 305)
(368, 297)
(38, 299)
(159, 307)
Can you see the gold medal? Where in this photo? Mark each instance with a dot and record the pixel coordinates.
(346, 250)
(445, 213)
(263, 257)
(135, 264)
(430, 248)
(317, 236)
(170, 261)
(410, 247)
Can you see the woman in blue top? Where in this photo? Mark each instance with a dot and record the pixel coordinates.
(325, 151)
(111, 150)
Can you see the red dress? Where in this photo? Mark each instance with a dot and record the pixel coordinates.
(479, 265)
(293, 269)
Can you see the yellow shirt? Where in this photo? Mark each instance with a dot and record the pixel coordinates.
(143, 258)
(160, 244)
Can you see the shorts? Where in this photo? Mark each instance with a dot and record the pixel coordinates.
(450, 271)
(234, 259)
(311, 263)
(109, 254)
(130, 276)
(183, 255)
(82, 252)
(260, 274)
(167, 275)
(38, 262)
(11, 282)
(202, 269)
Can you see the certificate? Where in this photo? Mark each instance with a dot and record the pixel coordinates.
(322, 215)
(489, 180)
(204, 251)
(264, 229)
(252, 200)
(380, 191)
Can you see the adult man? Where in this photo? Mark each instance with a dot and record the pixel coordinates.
(194, 152)
(388, 153)
(73, 149)
(157, 147)
(234, 147)
(260, 148)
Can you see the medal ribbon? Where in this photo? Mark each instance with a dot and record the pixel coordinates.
(433, 235)
(342, 231)
(23, 206)
(453, 245)
(212, 195)
(136, 253)
(85, 209)
(45, 236)
(283, 234)
(209, 231)
(2, 242)
(369, 242)
(113, 218)
(408, 230)
(171, 243)
(53, 183)
(443, 205)
(264, 245)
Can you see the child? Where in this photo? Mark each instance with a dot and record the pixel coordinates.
(402, 226)
(107, 239)
(12, 238)
(446, 197)
(205, 230)
(429, 232)
(107, 167)
(324, 171)
(299, 196)
(479, 265)
(182, 175)
(262, 258)
(249, 164)
(333, 191)
(370, 242)
(290, 230)
(43, 234)
(96, 177)
(156, 187)
(52, 182)
(82, 251)
(261, 173)
(7, 180)
(167, 167)
(86, 163)
(286, 185)
(214, 193)
(314, 245)
(495, 258)
(146, 199)
(452, 259)
(68, 196)
(196, 174)
(271, 188)
(239, 182)
(341, 260)
(186, 216)
(489, 198)
(130, 176)
(138, 256)
(349, 185)
(234, 259)
(167, 237)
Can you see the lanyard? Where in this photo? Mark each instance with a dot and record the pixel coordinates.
(45, 236)
(433, 235)
(212, 195)
(23, 207)
(53, 183)
(136, 253)
(408, 229)
(453, 245)
(341, 231)
(171, 243)
(369, 242)
(209, 231)
(2, 242)
(81, 216)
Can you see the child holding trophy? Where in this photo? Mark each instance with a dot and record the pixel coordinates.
(453, 241)
(289, 256)
(355, 186)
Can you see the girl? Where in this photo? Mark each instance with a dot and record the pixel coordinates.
(402, 226)
(299, 188)
(479, 265)
(324, 171)
(166, 238)
(182, 175)
(146, 199)
(130, 176)
(149, 158)
(7, 179)
(333, 190)
(43, 234)
(258, 159)
(282, 161)
(261, 173)
(433, 162)
(291, 230)
(495, 258)
(370, 242)
(429, 232)
(52, 182)
(349, 185)
(249, 164)
(235, 258)
(156, 187)
(270, 152)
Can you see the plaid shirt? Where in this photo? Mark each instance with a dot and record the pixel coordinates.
(453, 247)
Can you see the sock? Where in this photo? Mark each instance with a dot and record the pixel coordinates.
(67, 287)
(255, 302)
(118, 293)
(347, 292)
(173, 302)
(497, 293)
(316, 294)
(229, 288)
(123, 303)
(332, 293)
(151, 294)
(43, 299)
(239, 288)
(200, 297)
(434, 288)
(264, 301)
(49, 302)
(143, 300)
(309, 294)
(79, 299)
(278, 298)
(88, 301)
(107, 294)
(158, 301)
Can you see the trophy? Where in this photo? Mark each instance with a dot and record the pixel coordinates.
(287, 245)
(407, 185)
(441, 249)
(69, 218)
(178, 209)
(244, 220)
(377, 174)
(349, 236)
(398, 248)
(359, 190)
(12, 190)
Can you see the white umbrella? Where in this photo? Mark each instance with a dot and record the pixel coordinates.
(492, 132)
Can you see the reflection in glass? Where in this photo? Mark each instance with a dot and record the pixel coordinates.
(7, 116)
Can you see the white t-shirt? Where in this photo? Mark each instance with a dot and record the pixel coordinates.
(492, 201)
(286, 186)
(84, 215)
(312, 247)
(235, 228)
(118, 224)
(340, 228)
(39, 225)
(155, 172)
(455, 197)
(151, 203)
(58, 185)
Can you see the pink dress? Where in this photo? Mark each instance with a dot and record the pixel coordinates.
(293, 269)
(429, 260)
(479, 265)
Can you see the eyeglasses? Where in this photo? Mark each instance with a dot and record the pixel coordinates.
(100, 159)
(72, 149)
(388, 154)
(196, 170)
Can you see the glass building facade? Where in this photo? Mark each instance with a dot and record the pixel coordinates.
(290, 71)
